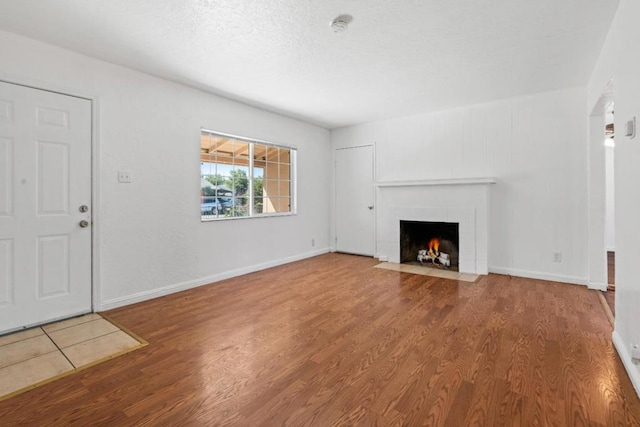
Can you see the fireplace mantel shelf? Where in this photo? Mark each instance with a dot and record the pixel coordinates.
(431, 182)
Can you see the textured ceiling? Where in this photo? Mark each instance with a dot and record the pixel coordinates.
(397, 58)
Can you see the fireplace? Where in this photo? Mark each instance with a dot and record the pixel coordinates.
(431, 244)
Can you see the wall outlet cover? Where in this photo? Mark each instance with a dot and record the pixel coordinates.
(635, 352)
(124, 177)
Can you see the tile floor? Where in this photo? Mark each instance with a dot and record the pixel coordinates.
(427, 271)
(40, 354)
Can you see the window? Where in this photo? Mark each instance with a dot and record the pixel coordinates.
(242, 177)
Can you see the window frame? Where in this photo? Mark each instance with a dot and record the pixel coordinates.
(293, 177)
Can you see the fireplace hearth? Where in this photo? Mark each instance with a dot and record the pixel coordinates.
(430, 244)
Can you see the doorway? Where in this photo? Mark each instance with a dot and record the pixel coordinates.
(45, 206)
(609, 217)
(601, 214)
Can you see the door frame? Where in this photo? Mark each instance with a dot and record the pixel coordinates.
(596, 200)
(374, 195)
(95, 176)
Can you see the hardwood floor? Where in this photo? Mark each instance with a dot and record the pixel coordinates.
(610, 298)
(332, 341)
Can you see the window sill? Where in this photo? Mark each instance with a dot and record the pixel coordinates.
(231, 218)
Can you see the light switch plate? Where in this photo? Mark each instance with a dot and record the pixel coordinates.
(630, 131)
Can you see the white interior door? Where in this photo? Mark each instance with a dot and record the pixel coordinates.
(355, 219)
(45, 185)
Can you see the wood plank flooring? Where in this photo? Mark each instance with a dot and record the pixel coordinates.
(332, 341)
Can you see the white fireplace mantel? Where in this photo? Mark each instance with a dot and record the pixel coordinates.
(429, 182)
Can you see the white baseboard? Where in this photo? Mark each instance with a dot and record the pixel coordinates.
(166, 290)
(623, 352)
(597, 286)
(539, 275)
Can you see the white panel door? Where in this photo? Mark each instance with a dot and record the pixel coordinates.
(354, 200)
(45, 180)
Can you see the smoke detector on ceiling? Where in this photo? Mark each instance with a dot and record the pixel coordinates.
(341, 23)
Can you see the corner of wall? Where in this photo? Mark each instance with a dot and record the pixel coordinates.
(632, 370)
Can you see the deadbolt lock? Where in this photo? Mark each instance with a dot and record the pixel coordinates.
(84, 208)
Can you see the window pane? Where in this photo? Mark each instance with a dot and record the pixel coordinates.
(205, 168)
(284, 171)
(240, 178)
(271, 171)
(257, 205)
(258, 187)
(282, 204)
(285, 188)
(271, 188)
(272, 154)
(209, 207)
(267, 205)
(224, 151)
(240, 207)
(205, 144)
(259, 153)
(285, 155)
(241, 153)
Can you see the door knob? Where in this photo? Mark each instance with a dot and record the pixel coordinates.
(84, 224)
(370, 207)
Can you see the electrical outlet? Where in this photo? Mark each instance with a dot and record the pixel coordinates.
(313, 242)
(635, 354)
(557, 257)
(124, 177)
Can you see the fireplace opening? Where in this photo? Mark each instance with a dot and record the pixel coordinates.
(430, 244)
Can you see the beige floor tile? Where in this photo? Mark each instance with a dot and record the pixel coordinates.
(466, 277)
(452, 275)
(29, 372)
(83, 332)
(427, 271)
(19, 336)
(25, 349)
(99, 348)
(388, 266)
(52, 327)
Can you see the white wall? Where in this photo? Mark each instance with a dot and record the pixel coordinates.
(150, 238)
(620, 61)
(533, 145)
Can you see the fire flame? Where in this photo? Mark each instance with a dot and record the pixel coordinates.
(434, 244)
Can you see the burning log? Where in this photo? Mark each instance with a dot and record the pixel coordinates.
(432, 254)
(444, 259)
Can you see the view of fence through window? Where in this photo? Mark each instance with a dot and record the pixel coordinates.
(241, 177)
